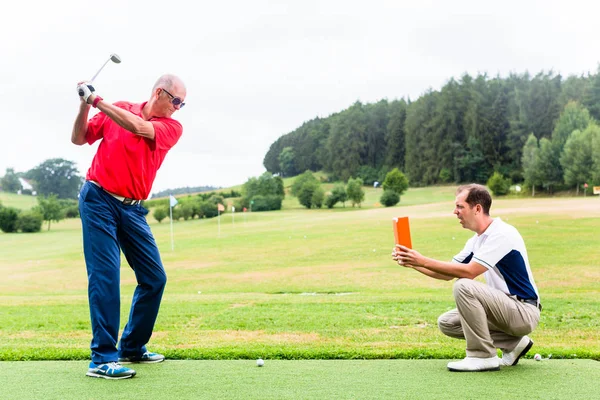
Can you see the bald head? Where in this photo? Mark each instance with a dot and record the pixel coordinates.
(169, 82)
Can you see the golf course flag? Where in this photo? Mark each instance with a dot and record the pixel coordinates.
(220, 208)
(172, 203)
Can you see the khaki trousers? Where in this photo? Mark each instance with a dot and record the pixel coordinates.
(487, 318)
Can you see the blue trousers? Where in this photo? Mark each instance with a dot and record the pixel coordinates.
(109, 227)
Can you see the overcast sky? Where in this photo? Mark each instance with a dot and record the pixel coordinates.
(258, 69)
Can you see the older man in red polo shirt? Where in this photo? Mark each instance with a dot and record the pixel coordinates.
(135, 139)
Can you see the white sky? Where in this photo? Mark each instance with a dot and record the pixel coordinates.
(258, 69)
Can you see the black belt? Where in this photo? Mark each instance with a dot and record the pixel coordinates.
(532, 302)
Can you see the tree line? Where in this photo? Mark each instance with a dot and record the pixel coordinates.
(466, 131)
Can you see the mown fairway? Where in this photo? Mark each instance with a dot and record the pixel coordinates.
(305, 284)
(304, 379)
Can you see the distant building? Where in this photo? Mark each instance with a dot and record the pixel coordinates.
(26, 187)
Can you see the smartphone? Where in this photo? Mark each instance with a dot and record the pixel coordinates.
(402, 231)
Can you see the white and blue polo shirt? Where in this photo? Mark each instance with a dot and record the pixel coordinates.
(501, 250)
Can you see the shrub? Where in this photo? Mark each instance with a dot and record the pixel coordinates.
(338, 194)
(265, 203)
(8, 219)
(71, 212)
(176, 213)
(160, 213)
(445, 175)
(306, 191)
(498, 184)
(317, 197)
(355, 192)
(389, 198)
(331, 201)
(30, 222)
(396, 181)
(187, 211)
(208, 209)
(307, 178)
(368, 174)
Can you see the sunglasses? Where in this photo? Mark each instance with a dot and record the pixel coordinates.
(176, 101)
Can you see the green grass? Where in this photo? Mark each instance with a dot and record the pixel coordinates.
(23, 202)
(379, 379)
(303, 284)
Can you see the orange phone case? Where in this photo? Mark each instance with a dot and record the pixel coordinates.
(402, 232)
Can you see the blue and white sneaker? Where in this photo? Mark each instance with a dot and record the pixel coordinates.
(146, 358)
(111, 370)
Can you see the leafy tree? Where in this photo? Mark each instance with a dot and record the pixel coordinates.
(265, 186)
(29, 222)
(595, 132)
(348, 141)
(50, 209)
(318, 196)
(301, 180)
(368, 174)
(395, 181)
(498, 184)
(574, 117)
(208, 209)
(56, 176)
(576, 158)
(389, 198)
(287, 162)
(548, 165)
(530, 162)
(469, 164)
(266, 203)
(305, 193)
(10, 181)
(9, 219)
(160, 213)
(187, 211)
(355, 192)
(591, 98)
(395, 135)
(338, 194)
(445, 175)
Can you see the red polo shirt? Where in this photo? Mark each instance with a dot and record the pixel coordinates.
(125, 163)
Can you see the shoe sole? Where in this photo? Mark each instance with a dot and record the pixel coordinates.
(141, 362)
(474, 370)
(525, 350)
(94, 375)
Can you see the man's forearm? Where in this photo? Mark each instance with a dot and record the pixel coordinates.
(449, 269)
(432, 274)
(127, 120)
(80, 125)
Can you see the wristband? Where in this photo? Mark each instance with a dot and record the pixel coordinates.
(96, 101)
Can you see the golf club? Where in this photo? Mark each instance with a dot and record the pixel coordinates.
(114, 58)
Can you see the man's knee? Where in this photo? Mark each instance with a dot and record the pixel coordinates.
(447, 321)
(462, 287)
(161, 282)
(443, 323)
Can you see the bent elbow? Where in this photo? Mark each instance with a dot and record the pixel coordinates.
(78, 141)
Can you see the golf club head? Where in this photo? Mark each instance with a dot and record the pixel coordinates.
(114, 58)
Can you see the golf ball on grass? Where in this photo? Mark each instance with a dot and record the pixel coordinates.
(260, 362)
(537, 357)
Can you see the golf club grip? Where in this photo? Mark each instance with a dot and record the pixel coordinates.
(89, 87)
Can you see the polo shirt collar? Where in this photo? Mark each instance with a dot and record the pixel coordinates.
(493, 227)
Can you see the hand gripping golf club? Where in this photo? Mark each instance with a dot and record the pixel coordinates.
(114, 58)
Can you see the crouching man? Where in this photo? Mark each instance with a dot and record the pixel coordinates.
(496, 315)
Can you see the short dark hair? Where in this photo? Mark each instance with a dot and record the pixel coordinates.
(477, 194)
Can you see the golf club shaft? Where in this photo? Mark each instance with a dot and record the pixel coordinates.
(103, 65)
